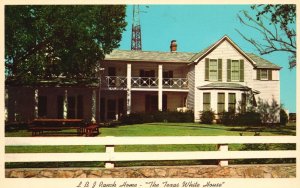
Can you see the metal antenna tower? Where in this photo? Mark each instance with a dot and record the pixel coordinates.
(136, 35)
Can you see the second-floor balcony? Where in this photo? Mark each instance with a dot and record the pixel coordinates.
(120, 82)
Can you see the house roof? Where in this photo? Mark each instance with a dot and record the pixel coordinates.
(226, 86)
(222, 85)
(209, 49)
(151, 56)
(262, 63)
(185, 57)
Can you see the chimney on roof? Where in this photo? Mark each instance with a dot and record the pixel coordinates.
(173, 46)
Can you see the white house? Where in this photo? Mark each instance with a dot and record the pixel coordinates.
(216, 78)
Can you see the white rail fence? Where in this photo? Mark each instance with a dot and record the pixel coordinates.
(110, 156)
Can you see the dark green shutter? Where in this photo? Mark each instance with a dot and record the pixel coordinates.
(228, 70)
(241, 70)
(269, 74)
(258, 74)
(206, 69)
(219, 69)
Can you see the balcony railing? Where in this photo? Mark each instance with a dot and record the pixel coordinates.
(175, 83)
(120, 82)
(114, 82)
(144, 82)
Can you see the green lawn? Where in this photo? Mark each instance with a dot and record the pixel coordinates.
(157, 129)
(180, 129)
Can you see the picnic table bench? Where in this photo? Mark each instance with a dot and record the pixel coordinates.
(92, 130)
(40, 125)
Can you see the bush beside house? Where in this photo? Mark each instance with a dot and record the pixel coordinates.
(159, 116)
(207, 117)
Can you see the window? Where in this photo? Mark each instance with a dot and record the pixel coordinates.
(213, 70)
(71, 107)
(60, 107)
(235, 70)
(42, 106)
(264, 74)
(231, 102)
(221, 102)
(75, 107)
(206, 101)
(111, 109)
(79, 106)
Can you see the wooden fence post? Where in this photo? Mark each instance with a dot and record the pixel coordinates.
(223, 148)
(109, 149)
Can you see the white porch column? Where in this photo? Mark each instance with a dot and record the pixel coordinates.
(214, 100)
(128, 88)
(226, 101)
(93, 120)
(66, 104)
(160, 84)
(36, 103)
(238, 98)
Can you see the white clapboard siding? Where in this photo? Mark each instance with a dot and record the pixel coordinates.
(151, 140)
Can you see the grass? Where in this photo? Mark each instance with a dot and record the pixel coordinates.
(179, 129)
(151, 129)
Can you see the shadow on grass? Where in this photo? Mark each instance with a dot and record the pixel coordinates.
(278, 131)
(200, 126)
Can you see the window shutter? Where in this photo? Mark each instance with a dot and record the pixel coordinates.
(206, 69)
(220, 70)
(228, 70)
(269, 74)
(241, 70)
(258, 74)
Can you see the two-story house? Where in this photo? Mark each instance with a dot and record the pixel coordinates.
(217, 78)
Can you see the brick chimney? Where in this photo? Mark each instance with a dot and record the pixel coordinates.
(173, 46)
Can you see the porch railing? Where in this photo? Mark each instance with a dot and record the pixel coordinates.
(143, 82)
(175, 83)
(114, 81)
(110, 156)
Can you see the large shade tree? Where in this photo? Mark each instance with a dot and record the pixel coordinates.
(62, 41)
(276, 24)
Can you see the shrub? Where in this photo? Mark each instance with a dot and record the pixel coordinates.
(283, 117)
(249, 118)
(228, 118)
(269, 112)
(207, 117)
(159, 116)
(134, 118)
(292, 117)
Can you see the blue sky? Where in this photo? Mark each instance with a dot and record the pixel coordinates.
(195, 27)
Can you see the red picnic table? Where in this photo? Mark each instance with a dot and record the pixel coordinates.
(47, 124)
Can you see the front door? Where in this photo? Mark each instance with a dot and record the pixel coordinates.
(151, 104)
(102, 109)
(111, 109)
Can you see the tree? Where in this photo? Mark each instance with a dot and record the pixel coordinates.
(66, 41)
(276, 24)
(269, 112)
